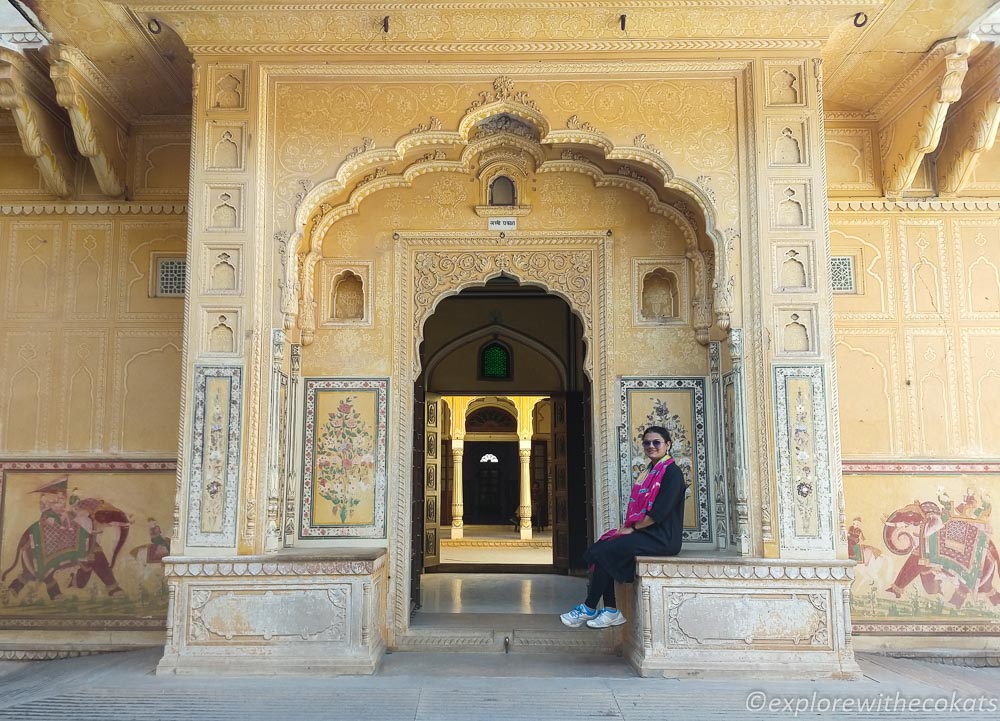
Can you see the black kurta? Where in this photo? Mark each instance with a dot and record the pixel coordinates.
(617, 555)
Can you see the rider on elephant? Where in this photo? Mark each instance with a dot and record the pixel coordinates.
(63, 537)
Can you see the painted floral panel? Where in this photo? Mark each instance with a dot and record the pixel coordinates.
(345, 458)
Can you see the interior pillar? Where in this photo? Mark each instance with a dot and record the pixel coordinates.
(524, 508)
(457, 500)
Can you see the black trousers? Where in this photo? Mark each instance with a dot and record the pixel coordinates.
(602, 585)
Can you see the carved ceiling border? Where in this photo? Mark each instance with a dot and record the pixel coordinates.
(914, 206)
(575, 265)
(94, 209)
(506, 47)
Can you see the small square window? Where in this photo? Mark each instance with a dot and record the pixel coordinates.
(171, 273)
(842, 274)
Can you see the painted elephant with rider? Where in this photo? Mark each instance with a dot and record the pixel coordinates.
(939, 545)
(67, 537)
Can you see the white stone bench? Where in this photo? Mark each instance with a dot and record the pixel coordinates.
(290, 612)
(704, 616)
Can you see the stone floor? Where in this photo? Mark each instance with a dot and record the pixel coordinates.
(442, 686)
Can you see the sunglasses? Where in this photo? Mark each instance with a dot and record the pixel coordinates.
(655, 444)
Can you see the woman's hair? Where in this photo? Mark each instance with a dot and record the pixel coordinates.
(658, 429)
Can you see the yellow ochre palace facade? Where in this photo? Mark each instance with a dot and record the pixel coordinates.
(299, 296)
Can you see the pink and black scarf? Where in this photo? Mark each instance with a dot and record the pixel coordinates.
(644, 493)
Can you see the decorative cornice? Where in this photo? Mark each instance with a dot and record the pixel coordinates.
(95, 209)
(49, 655)
(349, 564)
(831, 116)
(746, 569)
(930, 628)
(86, 464)
(910, 468)
(914, 206)
(504, 47)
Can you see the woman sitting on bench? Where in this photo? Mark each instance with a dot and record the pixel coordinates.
(653, 526)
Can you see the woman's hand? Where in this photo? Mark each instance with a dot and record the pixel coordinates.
(624, 531)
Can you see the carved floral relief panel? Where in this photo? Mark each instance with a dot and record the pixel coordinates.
(803, 467)
(924, 269)
(214, 473)
(161, 164)
(88, 265)
(26, 395)
(976, 244)
(851, 163)
(33, 269)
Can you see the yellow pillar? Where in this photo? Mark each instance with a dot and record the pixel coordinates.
(457, 501)
(524, 509)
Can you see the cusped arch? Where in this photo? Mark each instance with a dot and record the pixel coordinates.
(365, 173)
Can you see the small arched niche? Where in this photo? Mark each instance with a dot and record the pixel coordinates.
(660, 296)
(348, 301)
(502, 192)
(661, 292)
(346, 293)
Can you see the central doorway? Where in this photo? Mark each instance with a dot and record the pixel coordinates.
(502, 420)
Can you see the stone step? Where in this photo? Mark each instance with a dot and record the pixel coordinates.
(506, 633)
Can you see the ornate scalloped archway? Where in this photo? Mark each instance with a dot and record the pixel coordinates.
(641, 169)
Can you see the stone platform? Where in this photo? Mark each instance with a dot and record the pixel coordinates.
(740, 616)
(290, 612)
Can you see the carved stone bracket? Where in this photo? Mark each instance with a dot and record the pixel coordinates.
(101, 132)
(911, 127)
(29, 96)
(972, 130)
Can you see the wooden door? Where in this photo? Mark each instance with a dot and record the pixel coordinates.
(432, 483)
(560, 494)
(417, 503)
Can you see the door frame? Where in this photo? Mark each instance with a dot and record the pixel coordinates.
(431, 266)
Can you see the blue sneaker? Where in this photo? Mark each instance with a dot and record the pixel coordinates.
(578, 616)
(606, 618)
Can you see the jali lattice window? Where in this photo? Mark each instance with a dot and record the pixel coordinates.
(170, 276)
(842, 274)
(494, 361)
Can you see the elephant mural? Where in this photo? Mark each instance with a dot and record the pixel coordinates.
(940, 545)
(67, 536)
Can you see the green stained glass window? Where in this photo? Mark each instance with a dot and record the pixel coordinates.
(495, 361)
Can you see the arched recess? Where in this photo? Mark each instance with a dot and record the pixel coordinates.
(487, 332)
(504, 117)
